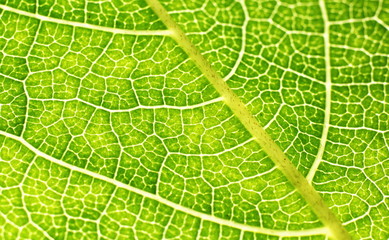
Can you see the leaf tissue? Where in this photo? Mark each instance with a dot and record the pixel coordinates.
(194, 119)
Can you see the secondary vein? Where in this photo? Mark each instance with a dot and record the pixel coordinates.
(84, 25)
(327, 111)
(203, 216)
(252, 125)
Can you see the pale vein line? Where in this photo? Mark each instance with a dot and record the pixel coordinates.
(377, 14)
(361, 128)
(311, 196)
(244, 35)
(377, 19)
(12, 78)
(85, 25)
(327, 111)
(285, 69)
(188, 107)
(360, 20)
(203, 216)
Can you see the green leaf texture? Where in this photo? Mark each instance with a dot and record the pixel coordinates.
(194, 119)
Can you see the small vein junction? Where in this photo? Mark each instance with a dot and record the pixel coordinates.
(202, 216)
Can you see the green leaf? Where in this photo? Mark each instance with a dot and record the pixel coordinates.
(189, 119)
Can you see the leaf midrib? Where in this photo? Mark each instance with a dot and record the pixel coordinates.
(312, 197)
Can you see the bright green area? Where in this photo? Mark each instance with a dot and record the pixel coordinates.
(135, 109)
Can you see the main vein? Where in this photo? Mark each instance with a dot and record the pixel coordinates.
(327, 111)
(84, 25)
(250, 122)
(203, 216)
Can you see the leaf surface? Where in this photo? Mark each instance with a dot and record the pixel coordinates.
(194, 119)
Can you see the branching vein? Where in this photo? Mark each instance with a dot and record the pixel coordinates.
(252, 125)
(85, 25)
(327, 113)
(203, 216)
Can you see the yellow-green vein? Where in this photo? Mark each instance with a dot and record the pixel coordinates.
(248, 120)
